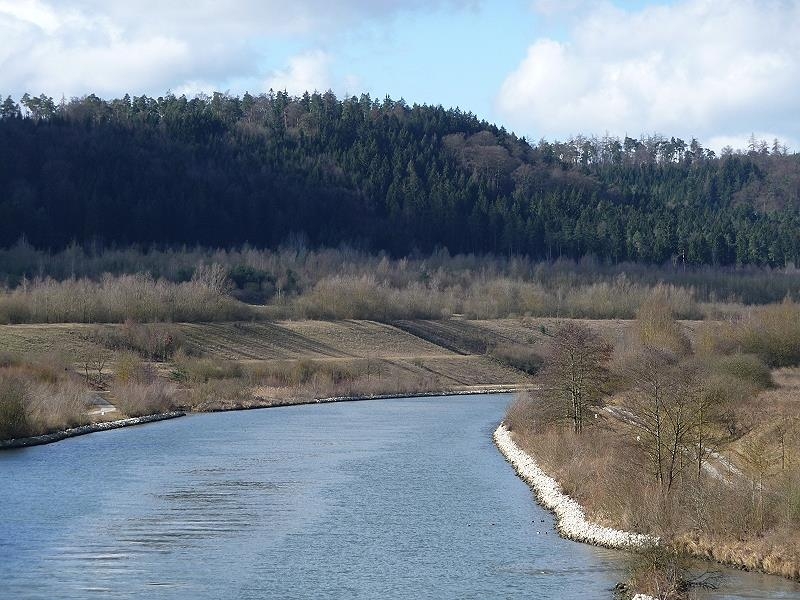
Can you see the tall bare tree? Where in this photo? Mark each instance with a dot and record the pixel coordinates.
(645, 405)
(575, 373)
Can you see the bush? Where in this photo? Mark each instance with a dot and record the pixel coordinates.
(747, 367)
(151, 341)
(299, 372)
(13, 416)
(7, 359)
(365, 297)
(52, 406)
(518, 356)
(527, 414)
(773, 333)
(202, 370)
(656, 325)
(129, 367)
(219, 393)
(112, 299)
(138, 399)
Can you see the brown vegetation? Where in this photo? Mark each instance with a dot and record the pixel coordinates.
(38, 396)
(113, 299)
(210, 285)
(698, 444)
(139, 398)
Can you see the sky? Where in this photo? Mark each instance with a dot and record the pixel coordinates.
(717, 70)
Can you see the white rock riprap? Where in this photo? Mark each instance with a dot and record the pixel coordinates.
(571, 520)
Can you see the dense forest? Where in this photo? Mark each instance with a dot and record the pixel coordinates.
(380, 175)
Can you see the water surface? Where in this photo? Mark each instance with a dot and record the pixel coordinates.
(389, 499)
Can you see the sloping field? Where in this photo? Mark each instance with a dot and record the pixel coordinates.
(241, 340)
(476, 337)
(459, 336)
(290, 340)
(465, 371)
(69, 338)
(528, 330)
(307, 339)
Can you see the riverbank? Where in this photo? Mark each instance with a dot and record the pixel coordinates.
(761, 556)
(57, 436)
(259, 403)
(571, 521)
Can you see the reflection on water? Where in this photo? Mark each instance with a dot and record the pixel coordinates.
(401, 498)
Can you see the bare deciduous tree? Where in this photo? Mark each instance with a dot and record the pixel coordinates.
(575, 372)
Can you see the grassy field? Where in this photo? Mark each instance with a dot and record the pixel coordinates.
(209, 366)
(307, 339)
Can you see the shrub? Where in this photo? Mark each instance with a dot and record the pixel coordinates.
(656, 325)
(299, 372)
(203, 370)
(518, 356)
(52, 406)
(112, 299)
(773, 333)
(219, 393)
(138, 399)
(747, 367)
(527, 414)
(151, 341)
(365, 297)
(13, 416)
(129, 367)
(7, 359)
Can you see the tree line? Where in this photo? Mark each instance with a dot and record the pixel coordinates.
(380, 175)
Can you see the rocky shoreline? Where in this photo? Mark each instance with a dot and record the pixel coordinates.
(57, 436)
(263, 403)
(571, 521)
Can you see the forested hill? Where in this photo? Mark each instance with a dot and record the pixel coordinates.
(222, 171)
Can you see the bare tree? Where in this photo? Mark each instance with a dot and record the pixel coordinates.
(759, 458)
(575, 372)
(645, 406)
(670, 412)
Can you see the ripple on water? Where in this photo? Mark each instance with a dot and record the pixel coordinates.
(392, 499)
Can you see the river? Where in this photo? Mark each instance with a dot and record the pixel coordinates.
(402, 498)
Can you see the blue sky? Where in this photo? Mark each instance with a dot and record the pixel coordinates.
(715, 69)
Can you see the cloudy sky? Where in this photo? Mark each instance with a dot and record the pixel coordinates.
(718, 70)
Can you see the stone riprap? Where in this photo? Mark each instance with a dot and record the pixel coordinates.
(57, 436)
(571, 520)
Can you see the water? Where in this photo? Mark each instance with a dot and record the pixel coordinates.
(388, 499)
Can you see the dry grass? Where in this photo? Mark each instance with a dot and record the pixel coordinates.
(744, 506)
(226, 365)
(38, 396)
(306, 339)
(136, 399)
(116, 299)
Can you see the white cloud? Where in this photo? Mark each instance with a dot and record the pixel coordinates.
(306, 72)
(702, 67)
(741, 141)
(110, 47)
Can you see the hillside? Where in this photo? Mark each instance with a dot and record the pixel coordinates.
(379, 175)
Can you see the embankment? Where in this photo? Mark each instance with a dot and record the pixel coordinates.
(57, 436)
(571, 520)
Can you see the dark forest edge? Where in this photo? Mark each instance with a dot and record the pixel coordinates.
(384, 176)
